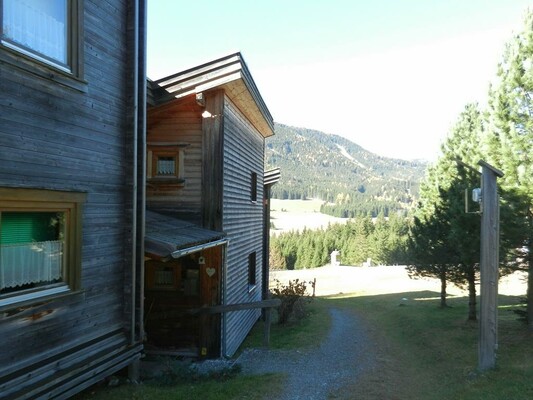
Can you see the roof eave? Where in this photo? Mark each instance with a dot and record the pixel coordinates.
(218, 73)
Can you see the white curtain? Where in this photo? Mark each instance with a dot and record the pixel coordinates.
(164, 278)
(37, 24)
(165, 166)
(25, 263)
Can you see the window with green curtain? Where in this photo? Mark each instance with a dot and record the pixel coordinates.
(28, 227)
(40, 243)
(31, 249)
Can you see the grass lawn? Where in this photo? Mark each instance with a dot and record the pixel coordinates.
(241, 387)
(425, 352)
(296, 205)
(421, 352)
(292, 215)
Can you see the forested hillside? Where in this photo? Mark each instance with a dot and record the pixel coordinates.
(440, 239)
(351, 179)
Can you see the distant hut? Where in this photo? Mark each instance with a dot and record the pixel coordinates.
(335, 258)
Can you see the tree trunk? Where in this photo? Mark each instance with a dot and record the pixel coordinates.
(472, 312)
(530, 286)
(443, 287)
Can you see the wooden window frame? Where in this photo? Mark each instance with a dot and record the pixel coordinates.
(69, 203)
(253, 187)
(70, 74)
(157, 150)
(252, 270)
(165, 154)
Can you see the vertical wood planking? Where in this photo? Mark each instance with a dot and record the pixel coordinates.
(490, 228)
(213, 127)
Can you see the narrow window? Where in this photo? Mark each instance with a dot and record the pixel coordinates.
(252, 260)
(253, 186)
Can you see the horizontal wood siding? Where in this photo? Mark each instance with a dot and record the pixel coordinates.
(180, 121)
(56, 137)
(242, 220)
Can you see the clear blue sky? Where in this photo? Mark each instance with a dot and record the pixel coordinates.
(391, 75)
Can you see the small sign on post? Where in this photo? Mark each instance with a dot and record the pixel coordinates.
(490, 230)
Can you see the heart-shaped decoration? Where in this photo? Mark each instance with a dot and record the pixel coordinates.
(210, 272)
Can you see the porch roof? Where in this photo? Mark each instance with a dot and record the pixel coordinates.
(271, 176)
(167, 237)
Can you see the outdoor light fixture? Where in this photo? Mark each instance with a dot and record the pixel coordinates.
(476, 195)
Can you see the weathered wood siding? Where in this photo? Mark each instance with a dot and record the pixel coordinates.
(178, 121)
(56, 137)
(213, 161)
(242, 221)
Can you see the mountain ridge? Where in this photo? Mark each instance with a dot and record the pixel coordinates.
(349, 178)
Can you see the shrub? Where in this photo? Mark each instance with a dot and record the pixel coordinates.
(294, 298)
(177, 371)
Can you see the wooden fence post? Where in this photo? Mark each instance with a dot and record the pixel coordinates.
(266, 333)
(490, 230)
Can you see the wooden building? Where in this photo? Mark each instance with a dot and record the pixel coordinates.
(73, 95)
(206, 130)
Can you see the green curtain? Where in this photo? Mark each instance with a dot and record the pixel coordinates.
(27, 227)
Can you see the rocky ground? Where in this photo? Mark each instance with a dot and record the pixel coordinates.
(314, 374)
(351, 349)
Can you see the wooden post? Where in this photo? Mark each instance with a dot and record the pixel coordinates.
(134, 371)
(490, 230)
(266, 332)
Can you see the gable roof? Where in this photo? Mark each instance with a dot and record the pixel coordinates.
(229, 73)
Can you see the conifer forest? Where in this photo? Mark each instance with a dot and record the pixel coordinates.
(412, 212)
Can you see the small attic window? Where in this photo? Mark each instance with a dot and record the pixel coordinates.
(166, 163)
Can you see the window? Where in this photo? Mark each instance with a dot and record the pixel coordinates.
(48, 31)
(40, 243)
(252, 262)
(253, 186)
(165, 163)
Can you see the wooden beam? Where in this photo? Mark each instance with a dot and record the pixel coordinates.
(490, 229)
(203, 312)
(213, 161)
(236, 307)
(214, 309)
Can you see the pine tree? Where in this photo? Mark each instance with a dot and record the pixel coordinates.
(510, 144)
(450, 236)
(428, 249)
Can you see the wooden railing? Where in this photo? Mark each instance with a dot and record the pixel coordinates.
(221, 309)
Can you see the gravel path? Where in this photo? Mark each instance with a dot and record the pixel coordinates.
(313, 374)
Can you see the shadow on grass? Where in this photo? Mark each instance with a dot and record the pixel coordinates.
(422, 351)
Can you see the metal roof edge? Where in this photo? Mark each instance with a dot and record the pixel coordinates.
(271, 176)
(209, 75)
